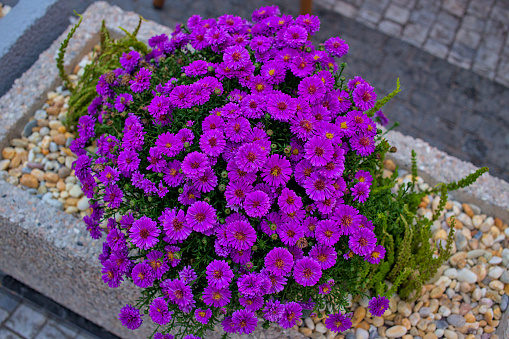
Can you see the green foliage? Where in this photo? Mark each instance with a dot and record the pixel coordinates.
(381, 103)
(105, 59)
(61, 53)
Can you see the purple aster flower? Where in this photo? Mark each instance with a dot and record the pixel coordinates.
(273, 310)
(250, 157)
(156, 260)
(172, 176)
(112, 276)
(141, 80)
(123, 100)
(364, 97)
(312, 89)
(362, 241)
(259, 85)
(203, 316)
(241, 235)
(324, 289)
(116, 240)
(168, 144)
(292, 312)
(212, 143)
(237, 129)
(319, 151)
(381, 118)
(159, 106)
(143, 275)
(302, 66)
(235, 57)
(163, 336)
(276, 171)
(172, 255)
(344, 100)
(212, 122)
(109, 175)
(289, 201)
(338, 322)
(128, 162)
(217, 297)
(307, 271)
(290, 233)
(177, 292)
(309, 225)
(273, 72)
(219, 274)
(195, 164)
(303, 125)
(113, 196)
(253, 284)
(245, 321)
(196, 68)
(279, 261)
(241, 256)
(130, 317)
(310, 22)
(318, 187)
(121, 261)
(130, 60)
(144, 233)
(363, 144)
(228, 325)
(378, 305)
(189, 196)
(252, 303)
(159, 312)
(375, 256)
(295, 36)
(325, 255)
(327, 232)
(201, 216)
(360, 192)
(206, 182)
(348, 218)
(336, 47)
(187, 275)
(281, 106)
(257, 204)
(181, 96)
(236, 192)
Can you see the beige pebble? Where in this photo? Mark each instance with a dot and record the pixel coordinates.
(468, 210)
(358, 316)
(29, 181)
(51, 177)
(38, 174)
(389, 164)
(396, 331)
(8, 153)
(497, 285)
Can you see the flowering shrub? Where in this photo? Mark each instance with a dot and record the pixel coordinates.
(232, 174)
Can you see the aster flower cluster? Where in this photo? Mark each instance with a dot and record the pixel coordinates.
(231, 173)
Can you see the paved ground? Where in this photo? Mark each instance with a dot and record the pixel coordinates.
(472, 34)
(20, 318)
(26, 314)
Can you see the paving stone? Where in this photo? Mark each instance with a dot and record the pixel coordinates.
(83, 335)
(441, 33)
(415, 34)
(8, 301)
(390, 28)
(436, 48)
(405, 3)
(345, 9)
(473, 23)
(461, 55)
(468, 37)
(326, 3)
(26, 321)
(56, 330)
(7, 334)
(425, 17)
(397, 14)
(369, 17)
(503, 72)
(456, 7)
(480, 8)
(3, 315)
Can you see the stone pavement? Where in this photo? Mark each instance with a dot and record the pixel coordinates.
(472, 34)
(22, 319)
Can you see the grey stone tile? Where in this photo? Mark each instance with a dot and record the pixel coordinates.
(8, 301)
(461, 55)
(436, 48)
(3, 315)
(442, 34)
(468, 37)
(397, 14)
(345, 9)
(480, 8)
(405, 3)
(6, 334)
(456, 7)
(56, 330)
(86, 335)
(503, 72)
(390, 28)
(415, 34)
(26, 321)
(473, 23)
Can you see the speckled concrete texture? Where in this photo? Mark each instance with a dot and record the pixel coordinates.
(489, 193)
(51, 251)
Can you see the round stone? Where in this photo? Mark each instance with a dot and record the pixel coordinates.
(456, 320)
(467, 276)
(51, 177)
(361, 333)
(320, 328)
(496, 272)
(75, 191)
(64, 172)
(308, 321)
(29, 181)
(396, 331)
